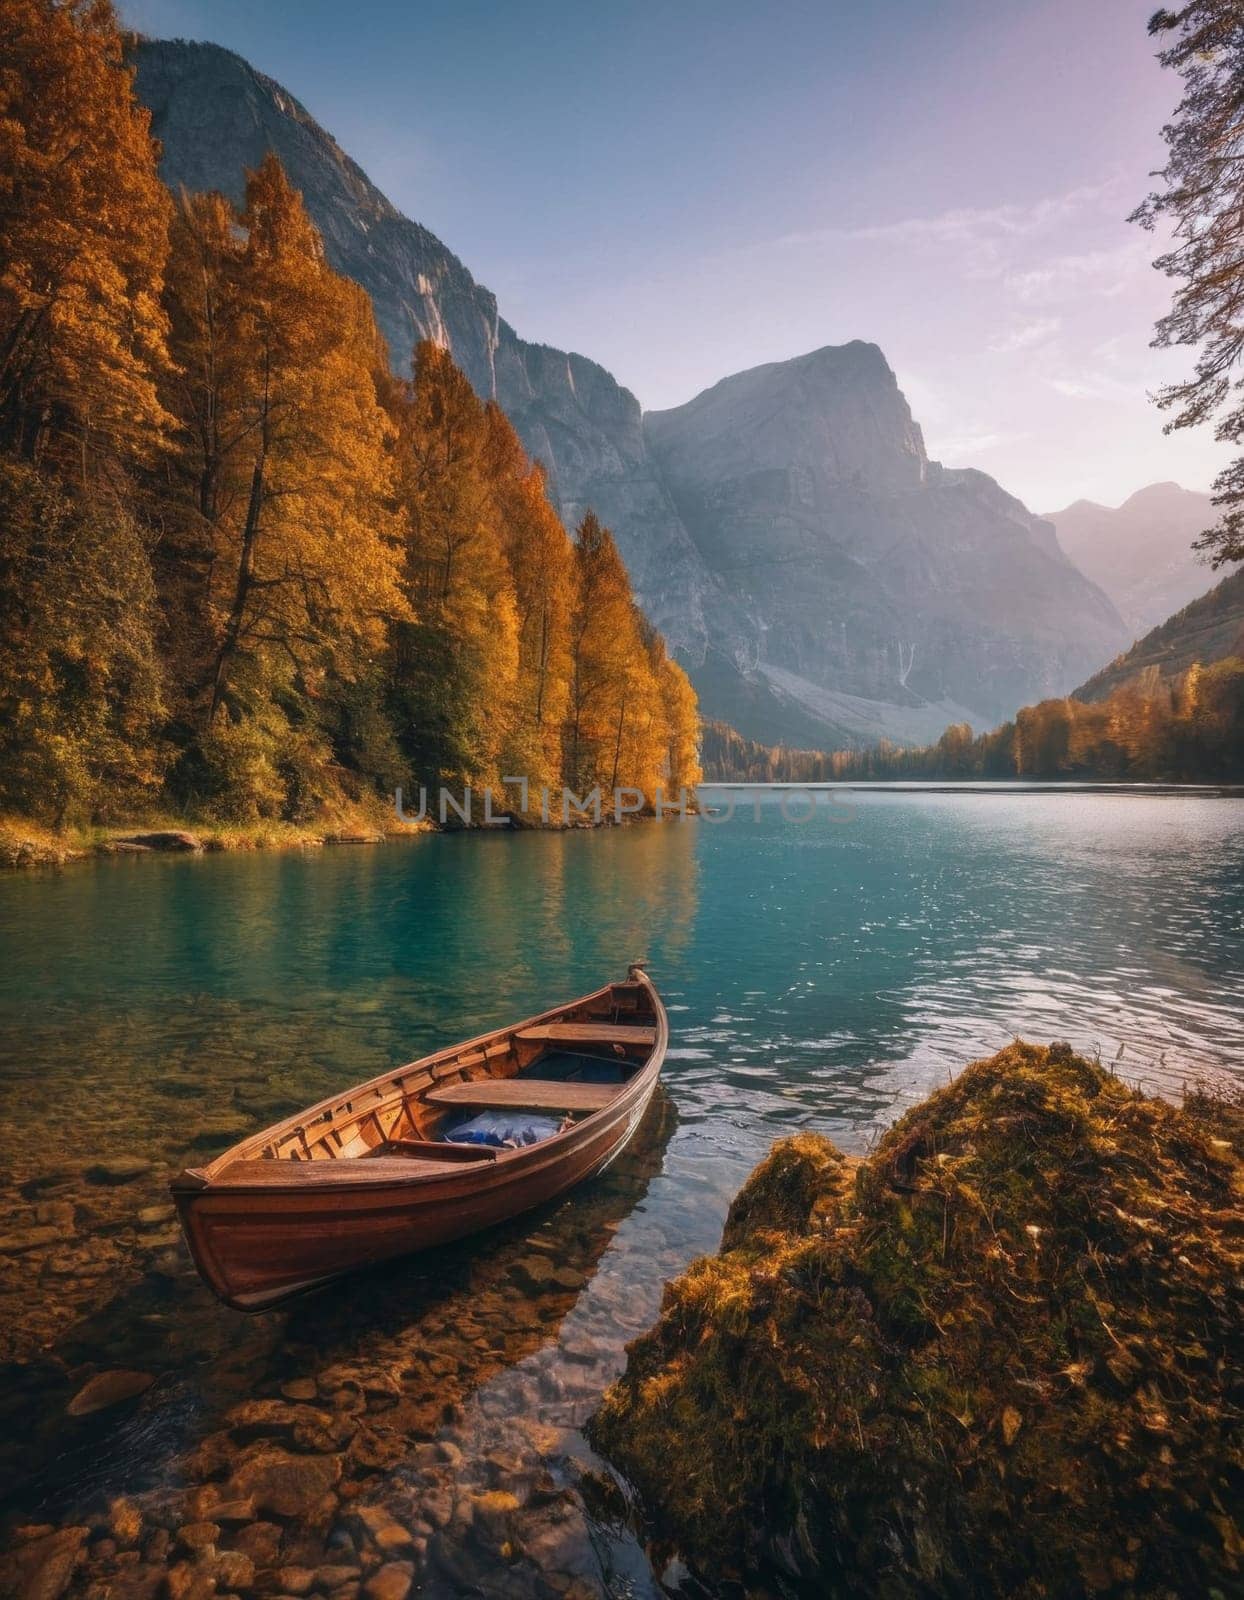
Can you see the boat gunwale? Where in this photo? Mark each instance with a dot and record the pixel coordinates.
(211, 1179)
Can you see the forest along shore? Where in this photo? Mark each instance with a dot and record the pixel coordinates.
(24, 844)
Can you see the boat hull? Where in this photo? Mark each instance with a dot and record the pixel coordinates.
(259, 1243)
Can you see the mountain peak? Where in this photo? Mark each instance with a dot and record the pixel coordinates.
(1141, 552)
(1165, 491)
(836, 412)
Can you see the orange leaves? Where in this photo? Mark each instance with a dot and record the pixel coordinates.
(285, 449)
(83, 234)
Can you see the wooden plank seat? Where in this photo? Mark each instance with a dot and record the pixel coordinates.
(270, 1173)
(527, 1094)
(589, 1033)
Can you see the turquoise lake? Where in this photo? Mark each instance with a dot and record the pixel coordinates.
(820, 975)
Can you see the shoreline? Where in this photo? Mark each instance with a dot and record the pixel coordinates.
(27, 846)
(1003, 786)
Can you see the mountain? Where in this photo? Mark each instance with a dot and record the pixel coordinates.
(1141, 552)
(1208, 630)
(880, 590)
(822, 580)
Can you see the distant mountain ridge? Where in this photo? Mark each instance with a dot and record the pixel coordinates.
(1141, 552)
(823, 581)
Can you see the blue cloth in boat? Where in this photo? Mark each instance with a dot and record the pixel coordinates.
(501, 1129)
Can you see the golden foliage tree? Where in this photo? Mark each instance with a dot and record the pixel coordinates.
(454, 668)
(682, 728)
(541, 567)
(83, 235)
(284, 451)
(80, 703)
(605, 645)
(309, 563)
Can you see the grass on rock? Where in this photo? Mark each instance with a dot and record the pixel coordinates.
(998, 1356)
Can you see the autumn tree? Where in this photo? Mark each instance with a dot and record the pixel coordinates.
(454, 668)
(682, 728)
(604, 649)
(282, 541)
(1201, 201)
(288, 447)
(955, 750)
(540, 560)
(201, 482)
(83, 235)
(311, 564)
(80, 703)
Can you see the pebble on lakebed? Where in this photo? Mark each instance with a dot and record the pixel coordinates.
(998, 1356)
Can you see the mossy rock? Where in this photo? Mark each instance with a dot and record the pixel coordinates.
(999, 1356)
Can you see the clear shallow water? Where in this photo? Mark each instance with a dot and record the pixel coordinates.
(820, 975)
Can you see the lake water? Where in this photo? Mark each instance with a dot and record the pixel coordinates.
(819, 975)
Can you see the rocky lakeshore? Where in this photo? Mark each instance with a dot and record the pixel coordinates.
(1000, 1355)
(27, 844)
(417, 1433)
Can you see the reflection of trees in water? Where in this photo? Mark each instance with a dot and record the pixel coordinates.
(636, 890)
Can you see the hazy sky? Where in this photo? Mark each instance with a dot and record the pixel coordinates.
(684, 188)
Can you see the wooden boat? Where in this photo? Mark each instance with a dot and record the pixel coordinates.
(376, 1172)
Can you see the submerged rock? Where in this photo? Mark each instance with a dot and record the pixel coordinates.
(23, 1239)
(391, 1582)
(41, 1569)
(108, 1389)
(118, 1169)
(1000, 1356)
(162, 839)
(285, 1485)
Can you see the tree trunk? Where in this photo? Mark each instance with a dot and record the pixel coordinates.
(617, 744)
(241, 593)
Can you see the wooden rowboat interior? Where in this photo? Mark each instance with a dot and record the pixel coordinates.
(572, 1064)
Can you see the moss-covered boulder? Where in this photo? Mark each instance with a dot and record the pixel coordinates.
(997, 1357)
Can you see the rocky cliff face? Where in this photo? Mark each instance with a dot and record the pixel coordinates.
(821, 578)
(866, 572)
